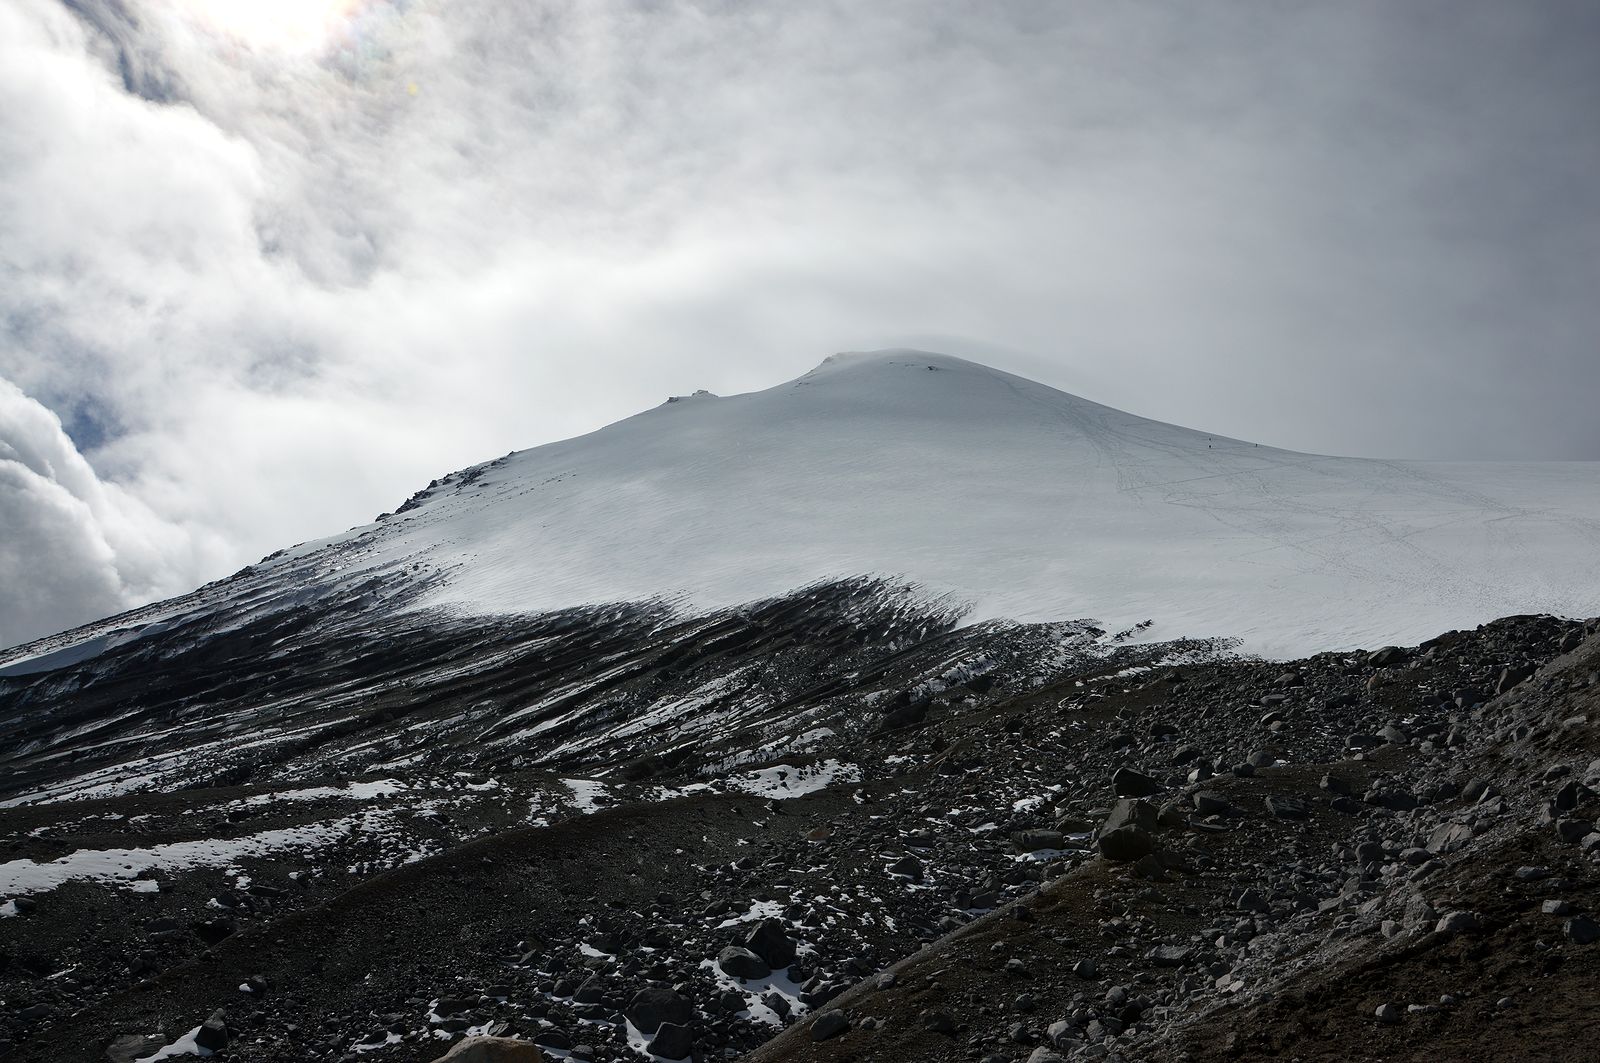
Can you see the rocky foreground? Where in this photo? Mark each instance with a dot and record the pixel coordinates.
(1377, 855)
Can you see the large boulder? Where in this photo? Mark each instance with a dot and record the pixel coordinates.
(1126, 844)
(651, 1007)
(492, 1050)
(213, 1033)
(742, 963)
(829, 1024)
(672, 1041)
(771, 943)
(1125, 782)
(1131, 813)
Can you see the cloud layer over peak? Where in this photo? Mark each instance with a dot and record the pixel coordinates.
(272, 278)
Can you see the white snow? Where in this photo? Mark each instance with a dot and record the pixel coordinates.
(183, 1046)
(362, 791)
(783, 781)
(984, 488)
(587, 794)
(124, 865)
(1028, 503)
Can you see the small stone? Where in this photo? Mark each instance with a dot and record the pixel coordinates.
(1456, 922)
(1287, 807)
(1028, 841)
(1387, 1014)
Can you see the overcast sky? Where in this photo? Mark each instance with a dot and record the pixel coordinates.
(265, 269)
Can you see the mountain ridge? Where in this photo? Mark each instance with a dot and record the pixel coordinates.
(1015, 499)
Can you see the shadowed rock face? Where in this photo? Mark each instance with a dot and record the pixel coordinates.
(269, 693)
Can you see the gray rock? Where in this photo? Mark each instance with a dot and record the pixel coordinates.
(1581, 930)
(492, 1050)
(1287, 807)
(652, 1007)
(672, 1041)
(829, 1024)
(1125, 782)
(1126, 813)
(742, 963)
(771, 943)
(213, 1033)
(1028, 841)
(1449, 838)
(1126, 844)
(132, 1046)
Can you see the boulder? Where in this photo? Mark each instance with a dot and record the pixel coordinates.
(213, 1033)
(652, 1007)
(1129, 813)
(492, 1050)
(1124, 845)
(672, 1041)
(1028, 841)
(771, 943)
(742, 963)
(829, 1024)
(1125, 782)
(133, 1046)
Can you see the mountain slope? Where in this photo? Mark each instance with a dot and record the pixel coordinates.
(1007, 497)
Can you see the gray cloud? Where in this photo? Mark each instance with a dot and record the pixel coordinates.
(272, 290)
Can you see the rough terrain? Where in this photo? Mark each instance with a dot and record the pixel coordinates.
(892, 844)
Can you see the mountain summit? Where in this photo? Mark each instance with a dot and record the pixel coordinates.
(674, 736)
(990, 492)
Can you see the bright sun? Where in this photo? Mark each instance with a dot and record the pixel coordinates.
(279, 25)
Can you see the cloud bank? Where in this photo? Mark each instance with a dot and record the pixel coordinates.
(76, 546)
(274, 274)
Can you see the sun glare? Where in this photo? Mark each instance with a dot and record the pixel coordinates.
(278, 25)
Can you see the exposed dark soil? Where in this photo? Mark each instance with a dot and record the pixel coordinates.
(955, 850)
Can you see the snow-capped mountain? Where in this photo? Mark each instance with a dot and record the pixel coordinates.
(995, 494)
(733, 704)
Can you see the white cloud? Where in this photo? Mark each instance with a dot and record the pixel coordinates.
(291, 284)
(74, 546)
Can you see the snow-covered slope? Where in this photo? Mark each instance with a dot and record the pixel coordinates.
(1010, 497)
